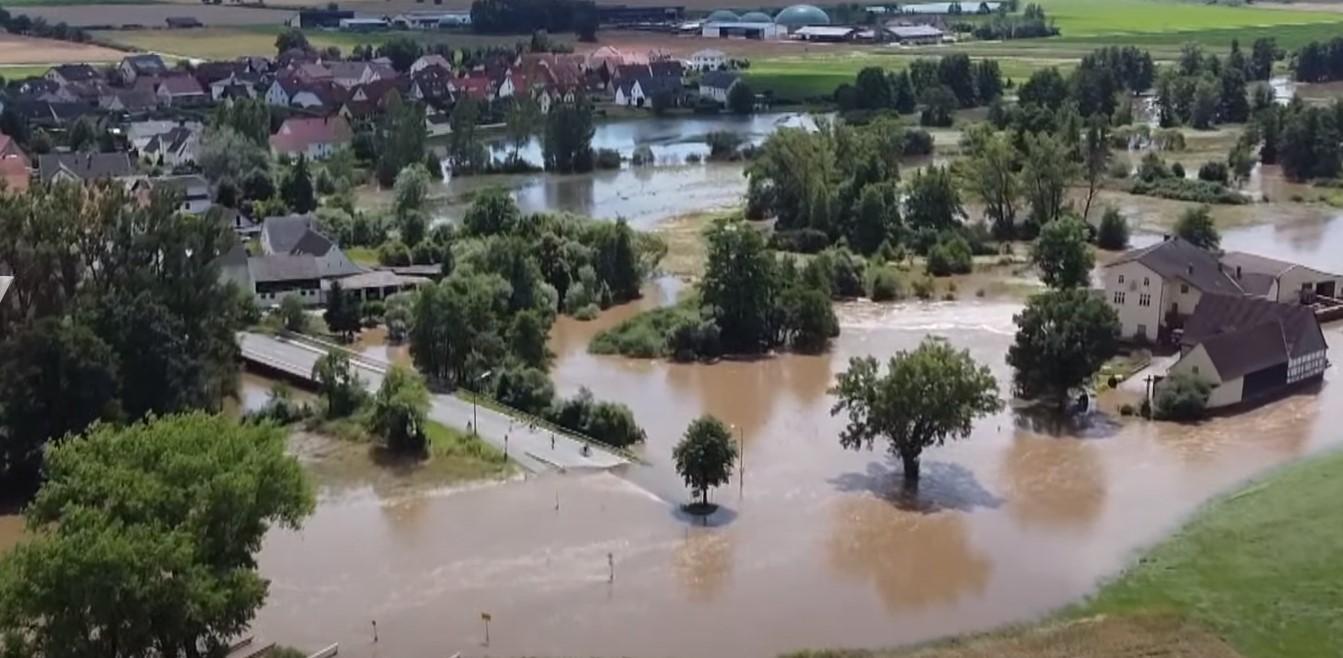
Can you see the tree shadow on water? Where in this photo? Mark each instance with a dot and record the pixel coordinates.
(941, 486)
(692, 514)
(1049, 421)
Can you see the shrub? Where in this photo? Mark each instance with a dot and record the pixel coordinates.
(1183, 189)
(394, 253)
(1182, 396)
(1119, 168)
(1214, 172)
(607, 159)
(1152, 167)
(923, 288)
(917, 142)
(609, 422)
(525, 389)
(587, 313)
(951, 255)
(723, 144)
(1177, 170)
(885, 286)
(642, 155)
(804, 241)
(690, 339)
(1113, 233)
(1169, 139)
(1126, 410)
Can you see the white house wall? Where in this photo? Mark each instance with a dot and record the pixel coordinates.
(1134, 317)
(1196, 362)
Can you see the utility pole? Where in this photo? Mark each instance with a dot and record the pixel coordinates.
(485, 617)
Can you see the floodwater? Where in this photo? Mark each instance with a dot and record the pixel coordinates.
(643, 195)
(813, 547)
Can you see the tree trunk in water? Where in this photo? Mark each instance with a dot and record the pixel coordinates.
(911, 464)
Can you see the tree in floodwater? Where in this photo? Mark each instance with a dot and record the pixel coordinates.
(705, 455)
(1063, 338)
(1062, 254)
(926, 397)
(739, 286)
(144, 539)
(567, 146)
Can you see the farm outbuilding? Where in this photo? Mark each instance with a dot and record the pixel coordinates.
(738, 30)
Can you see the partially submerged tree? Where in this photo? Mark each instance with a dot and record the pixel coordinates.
(1063, 338)
(705, 455)
(338, 384)
(1195, 226)
(399, 412)
(925, 398)
(1063, 255)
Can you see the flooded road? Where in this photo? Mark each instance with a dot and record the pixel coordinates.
(811, 548)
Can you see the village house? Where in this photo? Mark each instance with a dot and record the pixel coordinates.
(430, 61)
(708, 59)
(83, 167)
(129, 101)
(195, 192)
(174, 148)
(133, 67)
(180, 90)
(66, 74)
(1155, 289)
(914, 35)
(315, 137)
(716, 85)
(1250, 348)
(15, 168)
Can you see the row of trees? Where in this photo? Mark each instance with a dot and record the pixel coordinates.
(1201, 91)
(484, 326)
(566, 136)
(1030, 24)
(1320, 61)
(116, 312)
(941, 86)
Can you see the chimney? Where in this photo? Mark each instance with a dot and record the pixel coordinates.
(1237, 271)
(1191, 269)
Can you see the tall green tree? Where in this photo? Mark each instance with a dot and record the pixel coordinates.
(1113, 233)
(925, 398)
(741, 98)
(144, 540)
(932, 200)
(527, 339)
(492, 212)
(1196, 227)
(1096, 158)
(344, 311)
(521, 123)
(739, 286)
(296, 190)
(400, 411)
(1063, 338)
(337, 383)
(457, 328)
(990, 174)
(1063, 254)
(1046, 173)
(705, 456)
(873, 87)
(567, 146)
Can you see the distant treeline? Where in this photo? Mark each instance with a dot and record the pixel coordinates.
(525, 16)
(39, 27)
(1320, 61)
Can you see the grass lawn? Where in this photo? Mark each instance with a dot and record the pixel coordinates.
(366, 256)
(1255, 574)
(1085, 18)
(23, 71)
(800, 77)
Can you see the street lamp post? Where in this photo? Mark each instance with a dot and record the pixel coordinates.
(475, 419)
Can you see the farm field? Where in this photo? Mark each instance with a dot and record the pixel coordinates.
(15, 49)
(151, 14)
(229, 42)
(1087, 18)
(799, 77)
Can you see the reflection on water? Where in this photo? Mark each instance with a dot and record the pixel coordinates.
(1315, 243)
(642, 195)
(816, 548)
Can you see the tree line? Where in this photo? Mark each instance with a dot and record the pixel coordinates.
(526, 16)
(484, 326)
(116, 312)
(941, 86)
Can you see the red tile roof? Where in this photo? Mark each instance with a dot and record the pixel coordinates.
(297, 134)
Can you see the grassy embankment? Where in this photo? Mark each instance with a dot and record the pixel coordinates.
(1255, 574)
(454, 455)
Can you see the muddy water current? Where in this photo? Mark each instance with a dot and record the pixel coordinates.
(813, 545)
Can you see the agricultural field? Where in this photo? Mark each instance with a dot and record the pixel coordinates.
(152, 15)
(15, 49)
(230, 42)
(1089, 18)
(800, 77)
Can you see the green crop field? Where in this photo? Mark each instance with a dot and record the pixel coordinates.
(802, 77)
(230, 42)
(1086, 18)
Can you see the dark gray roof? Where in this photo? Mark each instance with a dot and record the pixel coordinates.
(85, 166)
(284, 232)
(719, 79)
(1246, 334)
(190, 186)
(1178, 259)
(146, 63)
(311, 243)
(77, 72)
(283, 267)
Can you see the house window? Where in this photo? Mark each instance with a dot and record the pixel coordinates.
(1119, 297)
(1144, 299)
(1184, 288)
(1121, 279)
(1142, 330)
(1195, 370)
(1146, 282)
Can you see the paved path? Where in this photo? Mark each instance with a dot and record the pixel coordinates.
(534, 449)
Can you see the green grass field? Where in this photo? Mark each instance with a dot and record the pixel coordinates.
(23, 71)
(1089, 18)
(800, 77)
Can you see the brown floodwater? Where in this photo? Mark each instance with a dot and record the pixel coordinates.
(813, 547)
